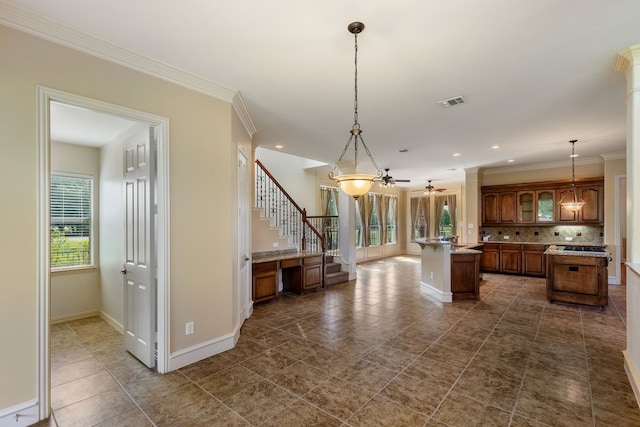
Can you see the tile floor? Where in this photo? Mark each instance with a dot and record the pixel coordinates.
(376, 351)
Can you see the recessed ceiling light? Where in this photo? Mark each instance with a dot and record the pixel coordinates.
(279, 146)
(495, 147)
(456, 154)
(510, 161)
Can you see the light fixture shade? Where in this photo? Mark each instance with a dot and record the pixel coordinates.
(356, 184)
(573, 206)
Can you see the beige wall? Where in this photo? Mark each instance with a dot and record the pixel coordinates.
(201, 195)
(585, 168)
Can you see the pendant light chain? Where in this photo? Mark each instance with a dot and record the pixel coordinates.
(356, 125)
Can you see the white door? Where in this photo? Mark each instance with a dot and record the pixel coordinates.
(139, 270)
(244, 266)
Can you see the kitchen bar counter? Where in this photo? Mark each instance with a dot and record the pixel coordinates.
(577, 275)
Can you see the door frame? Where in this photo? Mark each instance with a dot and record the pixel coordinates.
(46, 95)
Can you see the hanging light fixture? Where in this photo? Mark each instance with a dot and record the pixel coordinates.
(572, 202)
(355, 184)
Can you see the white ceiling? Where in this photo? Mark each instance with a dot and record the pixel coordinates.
(534, 74)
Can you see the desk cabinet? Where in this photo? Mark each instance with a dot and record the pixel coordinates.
(302, 274)
(265, 281)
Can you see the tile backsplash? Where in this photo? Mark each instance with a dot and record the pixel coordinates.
(581, 234)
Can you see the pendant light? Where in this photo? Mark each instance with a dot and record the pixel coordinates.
(355, 184)
(572, 202)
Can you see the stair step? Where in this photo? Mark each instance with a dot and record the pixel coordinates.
(335, 278)
(332, 267)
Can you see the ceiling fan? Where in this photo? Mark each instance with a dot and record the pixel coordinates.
(389, 181)
(430, 189)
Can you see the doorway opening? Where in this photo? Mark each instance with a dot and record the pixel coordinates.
(46, 99)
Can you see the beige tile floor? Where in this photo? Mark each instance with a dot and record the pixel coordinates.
(376, 351)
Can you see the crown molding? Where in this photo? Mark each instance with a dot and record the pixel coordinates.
(243, 114)
(25, 20)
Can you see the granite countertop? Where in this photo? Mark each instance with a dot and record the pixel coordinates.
(561, 250)
(280, 255)
(455, 248)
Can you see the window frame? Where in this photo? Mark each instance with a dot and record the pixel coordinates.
(90, 222)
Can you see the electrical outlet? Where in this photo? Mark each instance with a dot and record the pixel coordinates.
(275, 244)
(568, 238)
(432, 274)
(188, 330)
(505, 237)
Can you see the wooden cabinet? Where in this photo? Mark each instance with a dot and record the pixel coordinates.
(499, 208)
(537, 203)
(302, 274)
(577, 279)
(513, 258)
(465, 276)
(533, 262)
(526, 207)
(265, 281)
(490, 259)
(593, 210)
(510, 258)
(545, 206)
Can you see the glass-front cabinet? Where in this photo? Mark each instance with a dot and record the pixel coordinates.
(526, 207)
(546, 206)
(536, 207)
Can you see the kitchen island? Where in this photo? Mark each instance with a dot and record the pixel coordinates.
(449, 272)
(577, 274)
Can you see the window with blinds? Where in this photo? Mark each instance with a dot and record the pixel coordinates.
(71, 220)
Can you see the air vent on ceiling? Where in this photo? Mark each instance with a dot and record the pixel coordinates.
(456, 100)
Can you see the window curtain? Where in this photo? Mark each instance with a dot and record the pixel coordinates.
(394, 208)
(451, 200)
(426, 205)
(325, 194)
(369, 211)
(384, 207)
(438, 204)
(362, 208)
(415, 202)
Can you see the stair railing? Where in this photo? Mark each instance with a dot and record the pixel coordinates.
(285, 212)
(328, 224)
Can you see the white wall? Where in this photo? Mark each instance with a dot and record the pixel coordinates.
(77, 292)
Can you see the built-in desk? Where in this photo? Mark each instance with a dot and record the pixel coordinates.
(299, 271)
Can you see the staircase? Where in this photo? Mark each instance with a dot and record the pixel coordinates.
(332, 272)
(280, 224)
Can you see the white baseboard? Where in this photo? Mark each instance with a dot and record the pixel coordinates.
(111, 321)
(75, 316)
(633, 374)
(203, 350)
(437, 293)
(20, 415)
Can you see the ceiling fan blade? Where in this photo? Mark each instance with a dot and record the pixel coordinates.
(402, 180)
